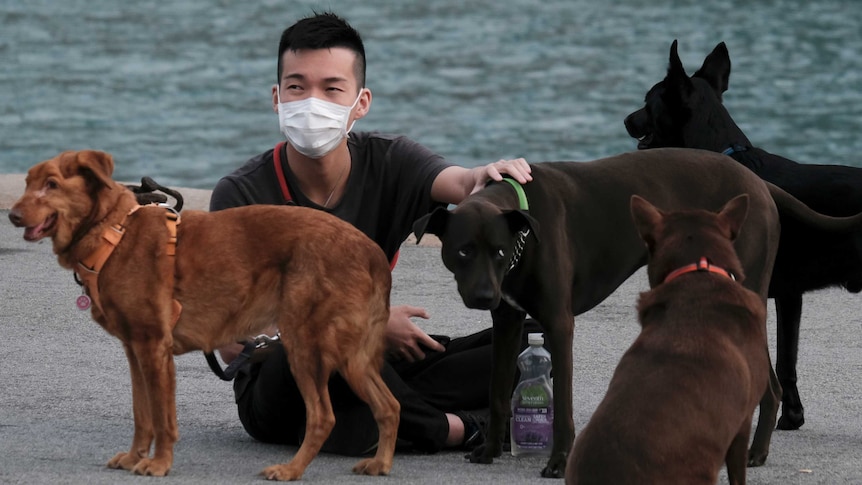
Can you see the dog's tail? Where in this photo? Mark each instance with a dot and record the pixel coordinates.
(790, 206)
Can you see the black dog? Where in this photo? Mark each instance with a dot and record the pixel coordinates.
(589, 246)
(683, 111)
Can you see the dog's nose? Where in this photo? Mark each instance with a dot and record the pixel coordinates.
(630, 128)
(634, 124)
(16, 217)
(482, 300)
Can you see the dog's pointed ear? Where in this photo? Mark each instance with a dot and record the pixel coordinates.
(95, 165)
(433, 222)
(518, 219)
(734, 214)
(676, 75)
(646, 218)
(716, 69)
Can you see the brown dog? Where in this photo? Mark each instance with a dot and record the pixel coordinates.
(681, 399)
(235, 272)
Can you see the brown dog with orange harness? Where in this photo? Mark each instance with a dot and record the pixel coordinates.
(212, 279)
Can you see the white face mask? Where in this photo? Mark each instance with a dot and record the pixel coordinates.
(314, 127)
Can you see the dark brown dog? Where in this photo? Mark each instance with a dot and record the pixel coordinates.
(681, 399)
(577, 244)
(683, 111)
(323, 282)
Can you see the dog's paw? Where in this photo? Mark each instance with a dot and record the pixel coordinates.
(756, 459)
(282, 473)
(152, 467)
(124, 461)
(556, 467)
(791, 420)
(482, 454)
(372, 466)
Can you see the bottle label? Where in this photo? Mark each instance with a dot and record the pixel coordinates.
(532, 428)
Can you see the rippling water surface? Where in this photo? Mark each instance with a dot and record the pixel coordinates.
(180, 90)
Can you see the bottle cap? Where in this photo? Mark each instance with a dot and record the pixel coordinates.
(535, 339)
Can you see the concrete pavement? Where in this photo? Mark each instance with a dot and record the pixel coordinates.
(65, 407)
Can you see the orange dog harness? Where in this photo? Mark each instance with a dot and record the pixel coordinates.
(88, 270)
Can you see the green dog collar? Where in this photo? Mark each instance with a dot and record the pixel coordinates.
(522, 197)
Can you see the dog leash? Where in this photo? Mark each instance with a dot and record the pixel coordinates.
(228, 373)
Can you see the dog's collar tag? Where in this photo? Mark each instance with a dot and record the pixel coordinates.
(83, 302)
(522, 197)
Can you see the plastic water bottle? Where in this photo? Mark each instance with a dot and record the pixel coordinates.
(532, 425)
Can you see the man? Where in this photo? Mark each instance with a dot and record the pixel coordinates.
(380, 184)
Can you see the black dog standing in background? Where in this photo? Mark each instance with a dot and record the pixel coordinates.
(683, 111)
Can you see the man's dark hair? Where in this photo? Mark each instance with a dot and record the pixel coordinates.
(323, 31)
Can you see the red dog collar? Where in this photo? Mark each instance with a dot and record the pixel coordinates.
(702, 265)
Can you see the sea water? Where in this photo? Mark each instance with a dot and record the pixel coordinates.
(181, 90)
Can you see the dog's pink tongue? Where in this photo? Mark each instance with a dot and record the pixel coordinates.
(34, 233)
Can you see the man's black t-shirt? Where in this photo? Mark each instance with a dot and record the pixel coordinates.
(388, 187)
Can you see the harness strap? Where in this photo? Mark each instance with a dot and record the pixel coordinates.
(172, 220)
(90, 267)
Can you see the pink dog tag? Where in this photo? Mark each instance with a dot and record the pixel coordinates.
(83, 302)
